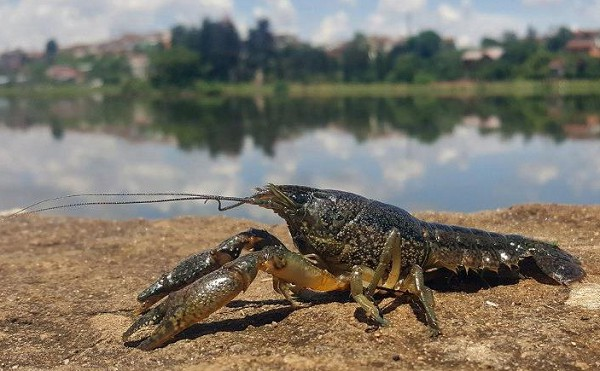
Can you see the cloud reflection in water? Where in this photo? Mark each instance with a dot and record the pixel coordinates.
(462, 170)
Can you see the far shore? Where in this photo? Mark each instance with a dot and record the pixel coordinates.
(448, 89)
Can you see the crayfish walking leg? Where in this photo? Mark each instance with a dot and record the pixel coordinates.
(414, 283)
(411, 282)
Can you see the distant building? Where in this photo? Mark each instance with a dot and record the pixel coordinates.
(130, 46)
(583, 130)
(587, 42)
(336, 51)
(13, 61)
(126, 44)
(376, 44)
(61, 73)
(139, 65)
(557, 67)
(478, 55)
(381, 43)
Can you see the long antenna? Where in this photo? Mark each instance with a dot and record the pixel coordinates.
(170, 196)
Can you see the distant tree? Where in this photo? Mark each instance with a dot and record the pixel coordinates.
(379, 67)
(487, 42)
(509, 37)
(531, 33)
(51, 51)
(495, 70)
(537, 65)
(582, 67)
(260, 47)
(302, 62)
(405, 68)
(355, 59)
(176, 67)
(558, 41)
(517, 51)
(110, 69)
(448, 65)
(424, 57)
(425, 45)
(219, 45)
(186, 37)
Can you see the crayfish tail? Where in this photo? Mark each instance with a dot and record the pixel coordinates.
(455, 247)
(559, 265)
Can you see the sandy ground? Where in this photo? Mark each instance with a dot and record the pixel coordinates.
(67, 288)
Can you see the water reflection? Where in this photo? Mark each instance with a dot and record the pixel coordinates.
(420, 153)
(220, 125)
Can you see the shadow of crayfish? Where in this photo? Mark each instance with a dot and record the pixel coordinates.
(440, 280)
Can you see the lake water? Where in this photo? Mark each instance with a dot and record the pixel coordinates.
(417, 153)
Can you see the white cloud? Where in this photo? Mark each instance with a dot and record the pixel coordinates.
(463, 22)
(389, 16)
(281, 13)
(541, 2)
(403, 171)
(478, 25)
(539, 173)
(448, 14)
(448, 155)
(333, 28)
(334, 143)
(400, 7)
(29, 23)
(259, 12)
(326, 157)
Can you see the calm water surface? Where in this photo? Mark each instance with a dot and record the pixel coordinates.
(417, 153)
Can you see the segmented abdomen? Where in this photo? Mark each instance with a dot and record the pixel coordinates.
(453, 247)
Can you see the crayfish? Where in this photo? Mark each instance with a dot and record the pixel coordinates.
(344, 242)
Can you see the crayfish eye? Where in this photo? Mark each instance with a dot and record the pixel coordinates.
(321, 195)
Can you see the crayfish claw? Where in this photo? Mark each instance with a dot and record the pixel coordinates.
(195, 302)
(201, 264)
(151, 317)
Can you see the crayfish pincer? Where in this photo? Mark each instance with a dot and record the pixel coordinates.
(345, 242)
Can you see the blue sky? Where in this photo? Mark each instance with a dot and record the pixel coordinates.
(29, 24)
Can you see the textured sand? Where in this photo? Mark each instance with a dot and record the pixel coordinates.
(67, 288)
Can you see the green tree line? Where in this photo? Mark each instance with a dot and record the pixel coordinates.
(216, 52)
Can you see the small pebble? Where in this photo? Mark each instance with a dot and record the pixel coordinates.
(396, 357)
